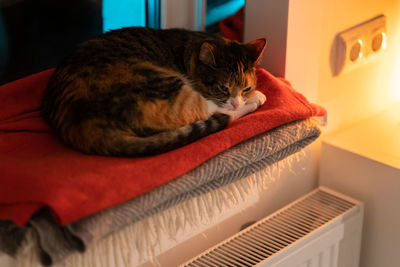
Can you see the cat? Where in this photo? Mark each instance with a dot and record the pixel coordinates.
(138, 91)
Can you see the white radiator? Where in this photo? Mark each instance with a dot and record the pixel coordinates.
(321, 229)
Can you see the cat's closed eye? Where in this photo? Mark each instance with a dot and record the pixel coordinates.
(224, 88)
(246, 90)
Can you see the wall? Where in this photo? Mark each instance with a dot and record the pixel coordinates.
(360, 92)
(191, 14)
(354, 96)
(268, 19)
(305, 58)
(374, 85)
(351, 96)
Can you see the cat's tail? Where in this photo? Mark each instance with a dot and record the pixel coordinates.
(135, 146)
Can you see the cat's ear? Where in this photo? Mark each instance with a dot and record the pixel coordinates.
(256, 49)
(206, 54)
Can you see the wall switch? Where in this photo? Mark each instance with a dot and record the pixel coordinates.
(357, 43)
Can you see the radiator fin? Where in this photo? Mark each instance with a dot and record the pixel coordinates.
(276, 232)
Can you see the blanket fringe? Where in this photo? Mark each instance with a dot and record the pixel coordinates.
(142, 241)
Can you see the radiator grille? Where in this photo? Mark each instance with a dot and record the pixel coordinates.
(276, 232)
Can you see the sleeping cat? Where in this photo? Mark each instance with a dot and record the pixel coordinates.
(139, 91)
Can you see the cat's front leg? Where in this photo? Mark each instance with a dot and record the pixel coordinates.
(253, 103)
(258, 98)
(240, 112)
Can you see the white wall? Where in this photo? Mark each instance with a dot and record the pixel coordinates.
(268, 19)
(371, 87)
(311, 30)
(187, 14)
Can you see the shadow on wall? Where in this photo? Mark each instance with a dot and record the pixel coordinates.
(36, 34)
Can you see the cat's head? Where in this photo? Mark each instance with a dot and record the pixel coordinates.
(227, 71)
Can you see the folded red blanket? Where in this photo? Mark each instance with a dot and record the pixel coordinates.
(37, 170)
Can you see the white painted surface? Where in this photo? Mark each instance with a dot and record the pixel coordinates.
(268, 19)
(304, 46)
(322, 247)
(293, 30)
(312, 252)
(364, 162)
(369, 88)
(376, 138)
(188, 14)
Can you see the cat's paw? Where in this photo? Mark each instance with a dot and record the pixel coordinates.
(258, 98)
(240, 112)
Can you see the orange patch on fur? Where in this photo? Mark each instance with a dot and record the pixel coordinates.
(187, 107)
(117, 73)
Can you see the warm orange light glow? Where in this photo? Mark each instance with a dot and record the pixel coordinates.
(383, 40)
(395, 79)
(360, 55)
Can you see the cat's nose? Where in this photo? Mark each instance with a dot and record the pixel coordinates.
(235, 104)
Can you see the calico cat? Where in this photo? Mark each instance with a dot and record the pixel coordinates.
(139, 91)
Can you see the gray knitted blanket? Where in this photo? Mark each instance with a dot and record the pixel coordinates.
(56, 242)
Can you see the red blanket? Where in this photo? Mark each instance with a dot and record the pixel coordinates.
(37, 170)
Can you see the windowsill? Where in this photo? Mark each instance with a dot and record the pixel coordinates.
(376, 138)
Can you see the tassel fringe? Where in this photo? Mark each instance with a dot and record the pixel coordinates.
(142, 241)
